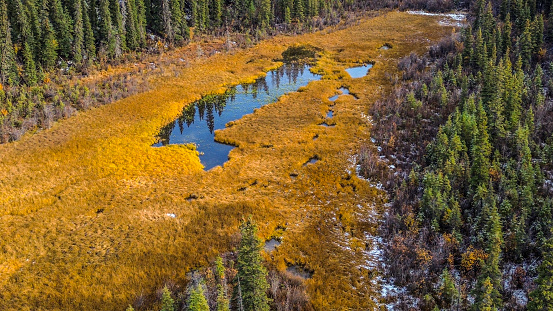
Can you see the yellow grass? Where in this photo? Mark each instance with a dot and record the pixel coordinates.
(58, 253)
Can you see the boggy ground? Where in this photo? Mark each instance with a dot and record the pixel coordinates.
(83, 205)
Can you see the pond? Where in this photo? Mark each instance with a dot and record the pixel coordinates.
(359, 71)
(200, 119)
(343, 90)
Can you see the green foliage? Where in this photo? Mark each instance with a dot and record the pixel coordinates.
(542, 297)
(252, 275)
(197, 300)
(167, 302)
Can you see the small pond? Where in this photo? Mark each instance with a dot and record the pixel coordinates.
(200, 119)
(359, 71)
(345, 91)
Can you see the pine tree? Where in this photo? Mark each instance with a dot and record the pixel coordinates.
(480, 151)
(141, 22)
(167, 20)
(118, 27)
(484, 300)
(132, 34)
(216, 13)
(62, 25)
(106, 34)
(222, 300)
(251, 273)
(29, 65)
(537, 34)
(506, 35)
(78, 30)
(49, 45)
(167, 302)
(525, 45)
(197, 300)
(448, 291)
(88, 33)
(480, 51)
(8, 66)
(542, 297)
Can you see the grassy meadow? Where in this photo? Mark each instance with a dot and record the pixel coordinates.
(83, 205)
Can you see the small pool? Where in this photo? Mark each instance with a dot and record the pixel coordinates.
(359, 71)
(344, 91)
(200, 119)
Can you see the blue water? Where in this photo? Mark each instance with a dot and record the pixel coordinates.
(344, 91)
(199, 120)
(360, 71)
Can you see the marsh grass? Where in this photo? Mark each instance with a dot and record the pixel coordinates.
(59, 253)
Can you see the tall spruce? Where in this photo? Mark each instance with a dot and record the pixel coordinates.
(542, 297)
(8, 66)
(78, 31)
(252, 275)
(197, 300)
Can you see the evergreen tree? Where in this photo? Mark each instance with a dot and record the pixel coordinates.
(118, 27)
(49, 46)
(216, 13)
(541, 298)
(485, 301)
(141, 22)
(506, 35)
(131, 23)
(106, 34)
(8, 65)
(167, 20)
(78, 29)
(167, 302)
(88, 33)
(251, 273)
(222, 300)
(525, 46)
(481, 150)
(31, 76)
(61, 22)
(197, 301)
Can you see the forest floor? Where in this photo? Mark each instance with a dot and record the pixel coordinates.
(83, 205)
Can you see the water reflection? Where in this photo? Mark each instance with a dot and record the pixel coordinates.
(199, 120)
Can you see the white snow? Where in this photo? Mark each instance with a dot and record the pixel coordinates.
(453, 16)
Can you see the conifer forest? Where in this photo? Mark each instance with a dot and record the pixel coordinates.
(276, 155)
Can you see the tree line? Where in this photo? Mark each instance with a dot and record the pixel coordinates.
(472, 204)
(41, 35)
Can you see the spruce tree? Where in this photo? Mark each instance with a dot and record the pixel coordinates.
(197, 300)
(167, 20)
(167, 302)
(252, 275)
(49, 45)
(542, 297)
(141, 22)
(90, 46)
(8, 66)
(525, 45)
(106, 34)
(222, 300)
(31, 76)
(62, 25)
(78, 31)
(118, 27)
